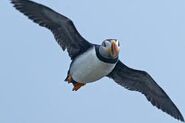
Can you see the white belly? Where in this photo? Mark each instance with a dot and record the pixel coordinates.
(88, 68)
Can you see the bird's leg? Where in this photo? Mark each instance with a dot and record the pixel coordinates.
(77, 86)
(69, 78)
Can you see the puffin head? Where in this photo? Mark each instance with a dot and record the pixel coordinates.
(110, 48)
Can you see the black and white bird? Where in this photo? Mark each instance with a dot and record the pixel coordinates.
(91, 62)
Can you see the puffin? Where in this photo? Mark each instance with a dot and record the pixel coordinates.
(91, 62)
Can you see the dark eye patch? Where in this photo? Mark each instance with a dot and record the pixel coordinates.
(104, 44)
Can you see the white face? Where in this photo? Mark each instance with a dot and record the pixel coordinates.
(111, 48)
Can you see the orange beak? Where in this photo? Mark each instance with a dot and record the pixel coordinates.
(114, 49)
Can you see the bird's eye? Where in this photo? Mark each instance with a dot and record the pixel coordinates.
(104, 44)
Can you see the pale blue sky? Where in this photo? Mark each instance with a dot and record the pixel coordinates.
(33, 66)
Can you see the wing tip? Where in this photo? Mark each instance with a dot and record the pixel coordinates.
(181, 118)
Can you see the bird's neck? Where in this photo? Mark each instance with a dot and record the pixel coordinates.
(104, 59)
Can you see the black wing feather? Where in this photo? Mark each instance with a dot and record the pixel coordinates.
(141, 81)
(62, 27)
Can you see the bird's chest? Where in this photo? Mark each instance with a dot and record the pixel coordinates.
(88, 68)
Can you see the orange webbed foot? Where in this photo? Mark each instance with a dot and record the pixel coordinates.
(77, 86)
(69, 79)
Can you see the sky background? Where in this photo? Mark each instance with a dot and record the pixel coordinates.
(33, 67)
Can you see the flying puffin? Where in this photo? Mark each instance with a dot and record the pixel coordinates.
(91, 62)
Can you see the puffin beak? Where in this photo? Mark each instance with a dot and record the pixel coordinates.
(114, 49)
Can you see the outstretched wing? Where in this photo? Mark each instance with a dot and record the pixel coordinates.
(141, 81)
(63, 28)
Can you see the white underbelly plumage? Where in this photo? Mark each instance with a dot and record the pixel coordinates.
(88, 68)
